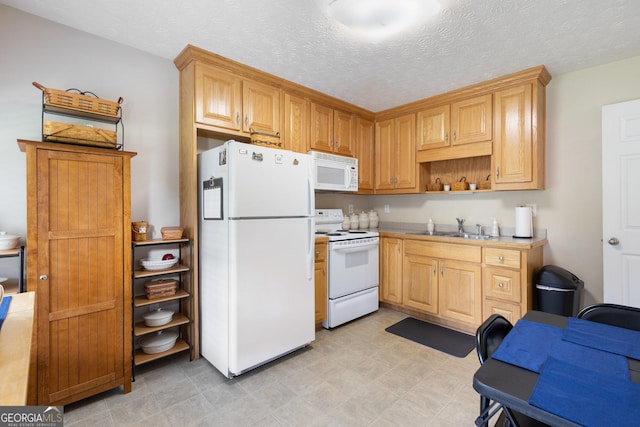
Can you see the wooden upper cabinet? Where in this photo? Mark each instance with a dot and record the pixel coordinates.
(343, 133)
(225, 100)
(395, 156)
(295, 133)
(471, 120)
(321, 127)
(433, 128)
(364, 149)
(332, 131)
(218, 98)
(518, 159)
(261, 107)
(462, 122)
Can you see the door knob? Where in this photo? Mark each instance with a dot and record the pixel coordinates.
(613, 241)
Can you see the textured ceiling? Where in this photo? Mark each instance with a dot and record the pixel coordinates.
(469, 42)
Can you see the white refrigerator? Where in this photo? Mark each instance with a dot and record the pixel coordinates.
(256, 236)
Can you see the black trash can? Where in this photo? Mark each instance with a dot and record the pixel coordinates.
(557, 291)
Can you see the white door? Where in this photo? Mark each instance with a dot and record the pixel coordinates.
(621, 202)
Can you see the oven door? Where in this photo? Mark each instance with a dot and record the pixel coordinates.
(353, 266)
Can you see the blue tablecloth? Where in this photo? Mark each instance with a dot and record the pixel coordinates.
(612, 339)
(584, 374)
(528, 345)
(587, 397)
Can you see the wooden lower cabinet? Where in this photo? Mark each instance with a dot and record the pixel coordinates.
(420, 283)
(508, 284)
(320, 282)
(443, 279)
(460, 295)
(457, 285)
(391, 270)
(79, 265)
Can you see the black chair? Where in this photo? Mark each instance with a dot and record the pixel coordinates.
(613, 314)
(489, 336)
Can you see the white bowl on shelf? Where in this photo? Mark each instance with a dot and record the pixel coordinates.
(8, 241)
(158, 317)
(158, 264)
(159, 342)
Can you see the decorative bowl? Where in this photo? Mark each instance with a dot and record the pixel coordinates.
(7, 241)
(158, 317)
(158, 264)
(158, 342)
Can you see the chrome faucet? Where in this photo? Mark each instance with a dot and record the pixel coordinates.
(460, 225)
(479, 229)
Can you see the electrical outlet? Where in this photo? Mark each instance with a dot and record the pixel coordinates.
(387, 209)
(350, 209)
(534, 208)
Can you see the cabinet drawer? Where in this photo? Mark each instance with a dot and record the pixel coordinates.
(502, 257)
(451, 251)
(502, 283)
(510, 311)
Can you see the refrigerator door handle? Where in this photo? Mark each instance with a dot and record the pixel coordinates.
(311, 197)
(310, 251)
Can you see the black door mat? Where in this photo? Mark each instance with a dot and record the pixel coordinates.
(443, 339)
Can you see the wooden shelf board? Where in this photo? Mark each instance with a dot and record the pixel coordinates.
(177, 320)
(139, 274)
(159, 242)
(142, 300)
(141, 357)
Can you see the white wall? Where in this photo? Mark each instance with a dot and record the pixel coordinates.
(34, 49)
(570, 209)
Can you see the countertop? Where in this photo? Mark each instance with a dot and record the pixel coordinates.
(504, 241)
(15, 350)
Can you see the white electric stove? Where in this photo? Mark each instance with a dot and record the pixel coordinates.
(353, 269)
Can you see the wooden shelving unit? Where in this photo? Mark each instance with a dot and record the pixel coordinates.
(181, 319)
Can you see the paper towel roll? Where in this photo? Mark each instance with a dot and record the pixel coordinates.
(524, 222)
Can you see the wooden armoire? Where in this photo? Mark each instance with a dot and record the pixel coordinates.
(79, 265)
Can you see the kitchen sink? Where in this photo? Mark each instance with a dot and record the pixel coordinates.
(432, 233)
(470, 236)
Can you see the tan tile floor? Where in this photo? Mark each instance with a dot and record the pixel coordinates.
(354, 375)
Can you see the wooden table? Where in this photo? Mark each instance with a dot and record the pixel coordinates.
(15, 350)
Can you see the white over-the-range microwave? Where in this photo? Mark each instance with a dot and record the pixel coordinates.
(334, 173)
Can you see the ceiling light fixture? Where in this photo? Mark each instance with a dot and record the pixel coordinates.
(379, 19)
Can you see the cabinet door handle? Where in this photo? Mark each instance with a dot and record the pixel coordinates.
(497, 172)
(501, 258)
(442, 270)
(446, 137)
(500, 285)
(238, 119)
(454, 136)
(44, 277)
(435, 270)
(398, 245)
(246, 120)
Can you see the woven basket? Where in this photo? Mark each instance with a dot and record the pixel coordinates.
(171, 233)
(160, 288)
(76, 134)
(139, 231)
(485, 185)
(436, 186)
(460, 185)
(266, 139)
(79, 101)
